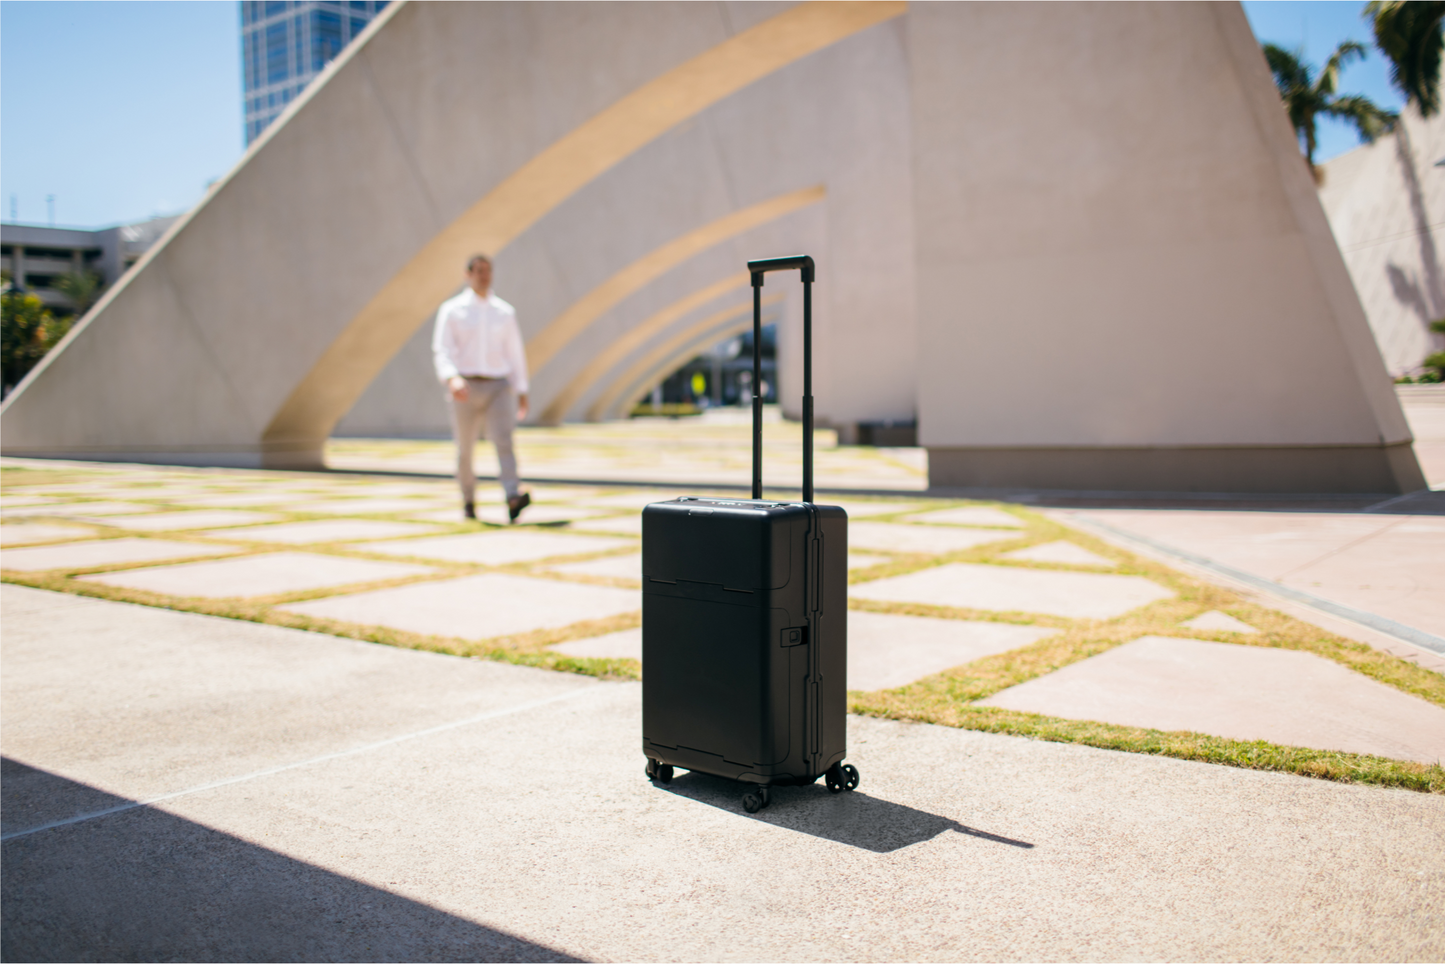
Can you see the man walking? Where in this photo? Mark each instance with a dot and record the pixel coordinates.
(479, 357)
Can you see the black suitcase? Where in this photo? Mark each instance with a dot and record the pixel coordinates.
(745, 620)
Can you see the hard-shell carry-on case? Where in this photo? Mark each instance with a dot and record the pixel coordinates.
(745, 620)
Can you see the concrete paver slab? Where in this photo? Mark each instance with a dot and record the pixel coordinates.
(21, 533)
(78, 510)
(1215, 621)
(224, 500)
(626, 644)
(535, 514)
(1241, 692)
(629, 525)
(477, 607)
(632, 500)
(197, 519)
(11, 501)
(861, 560)
(863, 510)
(323, 530)
(885, 650)
(627, 566)
(259, 575)
(898, 537)
(534, 824)
(497, 548)
(364, 506)
(1079, 595)
(970, 515)
(1391, 565)
(1066, 553)
(108, 552)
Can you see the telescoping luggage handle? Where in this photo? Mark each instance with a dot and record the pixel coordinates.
(758, 269)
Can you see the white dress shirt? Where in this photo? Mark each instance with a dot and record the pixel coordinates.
(479, 336)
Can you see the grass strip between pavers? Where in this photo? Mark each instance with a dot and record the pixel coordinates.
(522, 649)
(1180, 745)
(948, 698)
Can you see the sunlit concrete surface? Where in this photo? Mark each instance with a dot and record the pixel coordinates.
(85, 554)
(893, 537)
(1079, 595)
(1240, 692)
(324, 530)
(326, 798)
(476, 607)
(1064, 553)
(496, 548)
(711, 449)
(1389, 564)
(262, 575)
(1386, 205)
(1424, 407)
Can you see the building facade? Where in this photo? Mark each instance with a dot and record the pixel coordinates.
(285, 43)
(37, 257)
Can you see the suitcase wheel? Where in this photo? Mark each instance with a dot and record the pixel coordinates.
(840, 778)
(661, 772)
(755, 800)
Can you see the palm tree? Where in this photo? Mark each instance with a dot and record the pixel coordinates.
(81, 287)
(1307, 95)
(1410, 35)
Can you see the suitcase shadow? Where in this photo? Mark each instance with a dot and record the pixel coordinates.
(854, 818)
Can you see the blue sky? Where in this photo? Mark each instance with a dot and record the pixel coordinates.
(124, 109)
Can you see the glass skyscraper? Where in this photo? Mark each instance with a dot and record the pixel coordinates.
(284, 43)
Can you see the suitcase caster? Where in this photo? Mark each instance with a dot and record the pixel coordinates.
(840, 778)
(755, 800)
(661, 772)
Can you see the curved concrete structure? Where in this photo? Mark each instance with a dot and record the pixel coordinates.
(665, 358)
(1109, 275)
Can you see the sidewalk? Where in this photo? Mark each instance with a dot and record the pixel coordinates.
(320, 798)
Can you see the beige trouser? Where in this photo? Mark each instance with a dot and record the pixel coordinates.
(492, 402)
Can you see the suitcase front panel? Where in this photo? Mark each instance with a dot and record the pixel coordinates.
(713, 685)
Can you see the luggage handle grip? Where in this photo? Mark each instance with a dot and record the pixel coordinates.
(757, 269)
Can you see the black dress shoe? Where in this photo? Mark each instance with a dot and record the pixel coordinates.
(469, 511)
(516, 504)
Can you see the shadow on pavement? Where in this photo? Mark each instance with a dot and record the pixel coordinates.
(146, 885)
(855, 818)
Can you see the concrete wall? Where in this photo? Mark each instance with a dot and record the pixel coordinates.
(1386, 205)
(1111, 274)
(1125, 277)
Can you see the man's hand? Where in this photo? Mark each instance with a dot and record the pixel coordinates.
(521, 406)
(458, 387)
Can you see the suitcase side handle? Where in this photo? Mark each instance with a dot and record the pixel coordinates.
(757, 269)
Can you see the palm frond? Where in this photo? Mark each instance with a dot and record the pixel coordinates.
(1370, 120)
(1410, 34)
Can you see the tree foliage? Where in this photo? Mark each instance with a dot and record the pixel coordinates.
(1410, 34)
(1307, 94)
(27, 331)
(81, 287)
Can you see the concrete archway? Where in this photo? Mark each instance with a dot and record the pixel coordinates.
(642, 376)
(1114, 274)
(274, 319)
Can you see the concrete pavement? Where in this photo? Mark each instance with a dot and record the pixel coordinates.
(329, 799)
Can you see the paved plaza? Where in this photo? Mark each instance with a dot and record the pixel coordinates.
(260, 752)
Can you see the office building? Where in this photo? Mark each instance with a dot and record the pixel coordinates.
(37, 257)
(285, 43)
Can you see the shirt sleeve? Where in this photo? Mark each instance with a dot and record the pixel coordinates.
(516, 357)
(444, 347)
